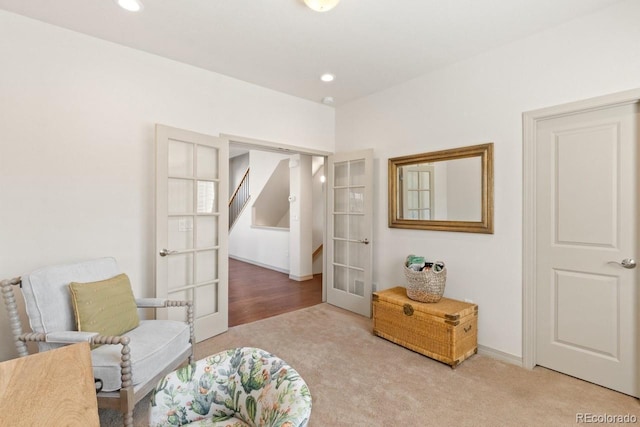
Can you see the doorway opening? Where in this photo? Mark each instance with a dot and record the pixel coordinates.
(276, 252)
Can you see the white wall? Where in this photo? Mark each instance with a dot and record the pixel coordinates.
(440, 193)
(237, 168)
(77, 118)
(464, 189)
(269, 198)
(318, 204)
(301, 218)
(268, 247)
(476, 101)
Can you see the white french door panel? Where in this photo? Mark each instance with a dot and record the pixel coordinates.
(191, 226)
(349, 231)
(587, 224)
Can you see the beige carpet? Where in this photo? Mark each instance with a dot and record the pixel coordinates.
(357, 379)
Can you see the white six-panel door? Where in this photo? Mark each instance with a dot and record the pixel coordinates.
(587, 226)
(192, 226)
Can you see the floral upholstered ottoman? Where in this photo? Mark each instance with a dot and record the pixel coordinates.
(239, 387)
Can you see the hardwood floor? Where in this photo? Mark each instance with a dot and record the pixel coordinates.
(256, 293)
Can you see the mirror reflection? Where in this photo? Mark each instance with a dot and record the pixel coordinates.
(445, 190)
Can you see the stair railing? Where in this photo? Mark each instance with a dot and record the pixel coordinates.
(239, 199)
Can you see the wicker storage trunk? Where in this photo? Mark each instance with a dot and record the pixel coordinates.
(446, 331)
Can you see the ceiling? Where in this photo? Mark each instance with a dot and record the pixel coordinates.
(283, 45)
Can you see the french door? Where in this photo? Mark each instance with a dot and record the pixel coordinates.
(349, 231)
(192, 226)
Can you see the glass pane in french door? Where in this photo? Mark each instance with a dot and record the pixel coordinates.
(194, 207)
(180, 270)
(207, 162)
(340, 277)
(180, 159)
(348, 217)
(180, 197)
(206, 197)
(356, 173)
(356, 282)
(180, 232)
(206, 266)
(206, 300)
(207, 231)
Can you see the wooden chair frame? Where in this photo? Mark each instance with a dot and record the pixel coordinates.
(126, 398)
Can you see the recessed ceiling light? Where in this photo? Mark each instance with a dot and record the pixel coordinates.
(130, 5)
(327, 77)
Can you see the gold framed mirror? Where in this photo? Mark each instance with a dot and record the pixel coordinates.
(448, 190)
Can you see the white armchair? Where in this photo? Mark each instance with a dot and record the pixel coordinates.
(131, 364)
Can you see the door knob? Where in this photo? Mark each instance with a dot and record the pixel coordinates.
(165, 252)
(626, 263)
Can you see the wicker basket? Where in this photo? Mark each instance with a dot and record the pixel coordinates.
(426, 285)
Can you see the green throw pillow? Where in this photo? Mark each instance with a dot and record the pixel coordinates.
(107, 307)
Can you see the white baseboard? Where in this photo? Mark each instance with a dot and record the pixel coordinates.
(259, 264)
(500, 355)
(300, 278)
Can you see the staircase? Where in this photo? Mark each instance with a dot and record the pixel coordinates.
(239, 199)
